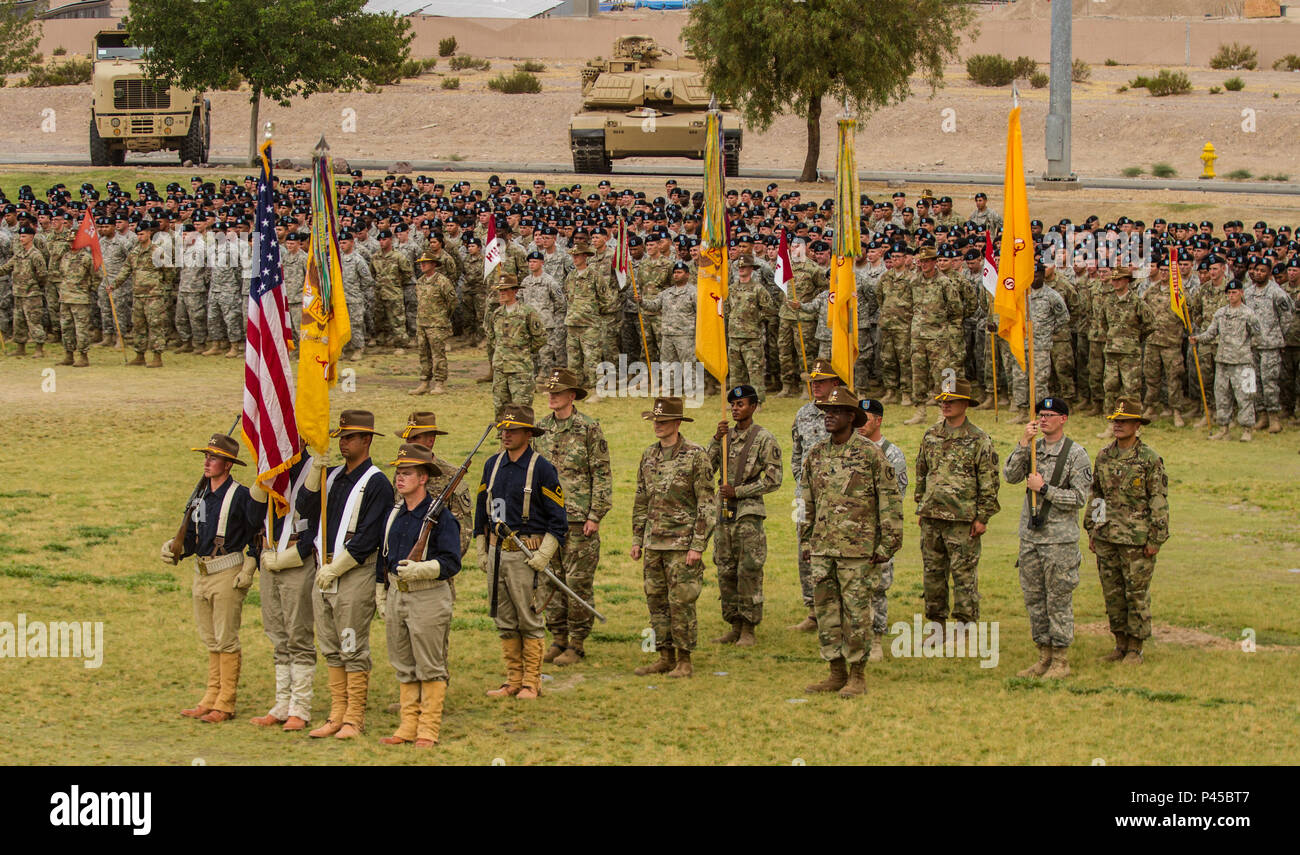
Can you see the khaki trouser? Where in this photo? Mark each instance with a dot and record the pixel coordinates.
(418, 626)
(519, 610)
(343, 618)
(287, 614)
(218, 608)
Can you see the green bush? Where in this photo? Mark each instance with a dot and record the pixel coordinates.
(447, 46)
(1234, 84)
(1239, 175)
(1165, 83)
(1281, 176)
(1216, 90)
(531, 65)
(1024, 66)
(1038, 79)
(990, 69)
(451, 83)
(60, 51)
(1133, 171)
(519, 83)
(1163, 170)
(462, 63)
(1235, 56)
(67, 73)
(1122, 89)
(1080, 71)
(1111, 62)
(1290, 62)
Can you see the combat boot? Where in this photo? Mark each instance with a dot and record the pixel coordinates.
(214, 349)
(787, 391)
(1178, 420)
(905, 400)
(185, 347)
(1245, 435)
(834, 681)
(1221, 433)
(67, 358)
(558, 646)
(234, 351)
(808, 624)
(1274, 423)
(485, 377)
(1150, 413)
(422, 389)
(730, 637)
(1203, 422)
(573, 655)
(888, 397)
(1021, 417)
(877, 653)
(986, 403)
(438, 388)
(856, 684)
(667, 661)
(20, 349)
(96, 336)
(746, 635)
(683, 668)
(918, 417)
(1134, 654)
(1060, 667)
(81, 361)
(1121, 647)
(155, 361)
(139, 358)
(1261, 420)
(1040, 667)
(39, 353)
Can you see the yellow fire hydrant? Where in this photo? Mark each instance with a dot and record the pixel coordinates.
(1208, 157)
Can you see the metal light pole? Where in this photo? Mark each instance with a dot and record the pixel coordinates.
(1058, 111)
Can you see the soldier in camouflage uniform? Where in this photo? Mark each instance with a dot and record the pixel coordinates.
(1125, 321)
(748, 305)
(1162, 359)
(1127, 520)
(576, 445)
(740, 542)
(148, 307)
(76, 294)
(1049, 314)
(1201, 306)
(435, 301)
(866, 273)
(422, 429)
(1274, 309)
(652, 277)
(358, 286)
(1061, 379)
(545, 294)
(956, 494)
(894, 297)
(516, 336)
(26, 267)
(114, 248)
(1049, 532)
(1290, 376)
(674, 309)
(293, 260)
(1237, 329)
(871, 429)
(57, 242)
(672, 517)
(589, 296)
(192, 295)
(937, 312)
(807, 281)
(7, 241)
(226, 296)
(852, 519)
(392, 269)
(809, 429)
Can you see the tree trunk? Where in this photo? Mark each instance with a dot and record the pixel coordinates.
(809, 173)
(253, 140)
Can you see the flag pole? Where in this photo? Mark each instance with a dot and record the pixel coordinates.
(798, 325)
(1029, 365)
(640, 321)
(993, 352)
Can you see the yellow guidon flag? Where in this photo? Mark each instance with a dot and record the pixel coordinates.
(711, 275)
(325, 324)
(1177, 296)
(842, 303)
(1016, 261)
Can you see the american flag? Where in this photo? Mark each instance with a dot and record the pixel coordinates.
(270, 430)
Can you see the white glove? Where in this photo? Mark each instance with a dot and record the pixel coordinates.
(275, 561)
(480, 544)
(412, 570)
(381, 594)
(167, 556)
(543, 554)
(342, 563)
(257, 494)
(244, 579)
(313, 481)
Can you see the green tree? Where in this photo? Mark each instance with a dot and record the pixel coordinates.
(770, 57)
(19, 36)
(283, 49)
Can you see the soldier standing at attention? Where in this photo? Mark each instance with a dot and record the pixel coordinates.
(576, 445)
(293, 260)
(588, 295)
(1125, 321)
(521, 491)
(894, 297)
(76, 290)
(937, 313)
(1127, 520)
(853, 521)
(1049, 536)
(956, 494)
(358, 288)
(1237, 329)
(359, 499)
(516, 336)
(809, 429)
(809, 280)
(871, 429)
(675, 307)
(541, 291)
(672, 517)
(1274, 309)
(1201, 306)
(217, 534)
(1049, 314)
(1162, 359)
(148, 309)
(740, 544)
(391, 271)
(28, 271)
(748, 305)
(435, 298)
(420, 598)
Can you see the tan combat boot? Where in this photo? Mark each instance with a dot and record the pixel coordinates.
(235, 352)
(1151, 413)
(1245, 435)
(835, 681)
(1261, 420)
(730, 637)
(1121, 647)
(558, 646)
(683, 668)
(355, 356)
(918, 417)
(905, 399)
(39, 353)
(1060, 667)
(186, 347)
(139, 358)
(1178, 420)
(746, 635)
(155, 361)
(512, 649)
(338, 681)
(1105, 432)
(354, 720)
(1021, 416)
(856, 684)
(1274, 423)
(1134, 654)
(877, 653)
(20, 349)
(808, 624)
(573, 655)
(81, 361)
(1202, 422)
(409, 707)
(422, 389)
(1221, 433)
(214, 349)
(1040, 667)
(666, 662)
(432, 695)
(438, 388)
(67, 358)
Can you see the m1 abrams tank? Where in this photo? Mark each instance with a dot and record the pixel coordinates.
(645, 102)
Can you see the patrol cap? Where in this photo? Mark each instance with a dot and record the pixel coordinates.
(225, 447)
(741, 392)
(1056, 405)
(872, 407)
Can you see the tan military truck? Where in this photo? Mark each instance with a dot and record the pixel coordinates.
(645, 102)
(131, 112)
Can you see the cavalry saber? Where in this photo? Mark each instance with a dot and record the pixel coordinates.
(502, 527)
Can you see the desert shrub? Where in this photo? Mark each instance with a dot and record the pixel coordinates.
(67, 73)
(1163, 170)
(1235, 56)
(990, 69)
(1290, 62)
(1024, 66)
(1038, 79)
(447, 46)
(1080, 71)
(1234, 84)
(1165, 83)
(532, 66)
(519, 83)
(463, 63)
(451, 83)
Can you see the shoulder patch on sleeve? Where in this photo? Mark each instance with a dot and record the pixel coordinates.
(556, 495)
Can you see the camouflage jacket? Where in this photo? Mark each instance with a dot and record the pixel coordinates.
(76, 284)
(1292, 335)
(578, 449)
(1202, 305)
(357, 277)
(1167, 328)
(987, 219)
(392, 271)
(224, 277)
(762, 471)
(461, 506)
(1061, 523)
(807, 280)
(56, 244)
(1069, 294)
(1049, 313)
(676, 308)
(894, 297)
(936, 307)
(27, 269)
(1129, 502)
(435, 297)
(867, 277)
(557, 264)
(1099, 292)
(139, 265)
(675, 506)
(898, 460)
(850, 505)
(453, 267)
(194, 278)
(957, 474)
(1125, 321)
(747, 306)
(294, 266)
(514, 335)
(588, 295)
(652, 277)
(1273, 308)
(114, 254)
(1237, 331)
(545, 295)
(809, 429)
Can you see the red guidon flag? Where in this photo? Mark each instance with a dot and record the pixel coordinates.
(989, 275)
(87, 235)
(491, 248)
(783, 274)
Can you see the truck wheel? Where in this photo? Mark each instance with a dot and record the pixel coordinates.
(192, 145)
(207, 129)
(117, 156)
(99, 154)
